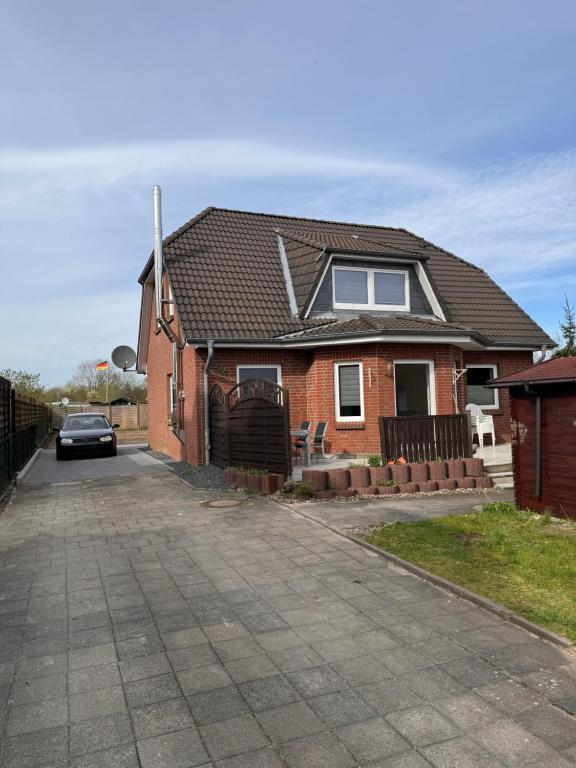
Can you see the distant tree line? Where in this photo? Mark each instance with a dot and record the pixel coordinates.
(86, 385)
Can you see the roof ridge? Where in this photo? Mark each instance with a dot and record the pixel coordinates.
(304, 218)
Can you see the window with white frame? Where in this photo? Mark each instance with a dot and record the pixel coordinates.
(348, 392)
(476, 390)
(170, 302)
(271, 372)
(359, 288)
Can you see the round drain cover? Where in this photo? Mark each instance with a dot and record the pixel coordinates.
(220, 503)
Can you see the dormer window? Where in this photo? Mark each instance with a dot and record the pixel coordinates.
(383, 289)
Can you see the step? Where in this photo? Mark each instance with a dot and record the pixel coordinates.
(496, 469)
(502, 479)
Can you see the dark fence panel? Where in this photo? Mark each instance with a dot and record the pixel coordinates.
(5, 434)
(24, 425)
(218, 427)
(250, 426)
(425, 438)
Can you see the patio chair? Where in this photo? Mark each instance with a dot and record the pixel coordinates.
(480, 424)
(319, 438)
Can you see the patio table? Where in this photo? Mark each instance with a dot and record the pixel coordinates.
(303, 434)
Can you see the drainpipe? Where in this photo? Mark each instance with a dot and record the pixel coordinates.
(210, 345)
(538, 442)
(159, 262)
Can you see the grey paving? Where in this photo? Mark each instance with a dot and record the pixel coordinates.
(363, 513)
(139, 627)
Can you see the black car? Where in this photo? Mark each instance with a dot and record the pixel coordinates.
(86, 434)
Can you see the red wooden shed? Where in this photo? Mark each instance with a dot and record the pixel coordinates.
(543, 410)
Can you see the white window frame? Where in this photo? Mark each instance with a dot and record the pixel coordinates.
(370, 272)
(431, 383)
(260, 365)
(337, 391)
(494, 367)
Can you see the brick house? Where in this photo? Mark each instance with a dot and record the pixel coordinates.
(356, 321)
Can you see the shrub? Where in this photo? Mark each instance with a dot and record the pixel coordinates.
(256, 471)
(357, 465)
(298, 488)
(385, 483)
(374, 460)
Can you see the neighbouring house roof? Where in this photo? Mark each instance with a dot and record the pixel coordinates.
(557, 370)
(225, 270)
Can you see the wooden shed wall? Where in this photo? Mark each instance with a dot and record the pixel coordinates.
(558, 467)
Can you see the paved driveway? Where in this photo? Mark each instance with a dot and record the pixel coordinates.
(140, 627)
(130, 460)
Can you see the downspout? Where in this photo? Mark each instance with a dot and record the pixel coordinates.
(207, 446)
(159, 263)
(538, 441)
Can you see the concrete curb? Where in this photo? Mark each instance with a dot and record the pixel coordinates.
(28, 466)
(483, 602)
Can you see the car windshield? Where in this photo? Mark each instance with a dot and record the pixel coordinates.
(90, 421)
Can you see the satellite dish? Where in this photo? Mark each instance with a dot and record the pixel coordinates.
(124, 357)
(65, 401)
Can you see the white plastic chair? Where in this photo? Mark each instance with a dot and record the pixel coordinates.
(481, 424)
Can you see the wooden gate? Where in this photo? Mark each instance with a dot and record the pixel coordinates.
(218, 427)
(250, 426)
(425, 438)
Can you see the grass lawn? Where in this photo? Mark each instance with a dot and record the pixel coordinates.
(522, 561)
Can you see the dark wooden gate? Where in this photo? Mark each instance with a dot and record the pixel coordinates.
(5, 434)
(218, 427)
(425, 438)
(250, 426)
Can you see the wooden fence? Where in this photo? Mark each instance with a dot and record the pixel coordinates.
(127, 416)
(24, 425)
(250, 426)
(425, 438)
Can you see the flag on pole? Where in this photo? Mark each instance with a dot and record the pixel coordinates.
(102, 366)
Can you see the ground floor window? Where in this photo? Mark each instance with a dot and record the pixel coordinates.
(476, 390)
(270, 372)
(348, 392)
(414, 388)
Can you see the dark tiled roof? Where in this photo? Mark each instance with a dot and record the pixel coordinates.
(558, 369)
(387, 324)
(226, 274)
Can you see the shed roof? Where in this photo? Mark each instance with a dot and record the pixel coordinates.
(558, 369)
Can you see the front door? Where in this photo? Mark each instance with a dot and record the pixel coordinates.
(413, 387)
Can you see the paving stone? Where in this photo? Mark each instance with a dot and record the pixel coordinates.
(404, 760)
(238, 648)
(315, 681)
(372, 740)
(95, 656)
(512, 744)
(151, 689)
(422, 725)
(251, 668)
(117, 757)
(100, 733)
(39, 689)
(551, 725)
(219, 704)
(90, 678)
(263, 758)
(290, 721)
(388, 696)
(233, 736)
(35, 717)
(88, 638)
(510, 697)
(319, 751)
(224, 631)
(203, 678)
(141, 645)
(362, 669)
(103, 701)
(341, 708)
(144, 666)
(292, 659)
(183, 638)
(35, 749)
(161, 717)
(197, 656)
(42, 666)
(460, 753)
(468, 710)
(268, 692)
(279, 640)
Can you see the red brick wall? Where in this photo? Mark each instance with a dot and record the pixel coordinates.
(309, 377)
(505, 362)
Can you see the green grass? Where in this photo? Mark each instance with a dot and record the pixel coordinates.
(522, 561)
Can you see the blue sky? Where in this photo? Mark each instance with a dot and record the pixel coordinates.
(455, 119)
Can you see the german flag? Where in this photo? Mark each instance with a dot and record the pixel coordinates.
(102, 366)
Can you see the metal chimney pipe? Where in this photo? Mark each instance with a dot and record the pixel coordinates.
(158, 266)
